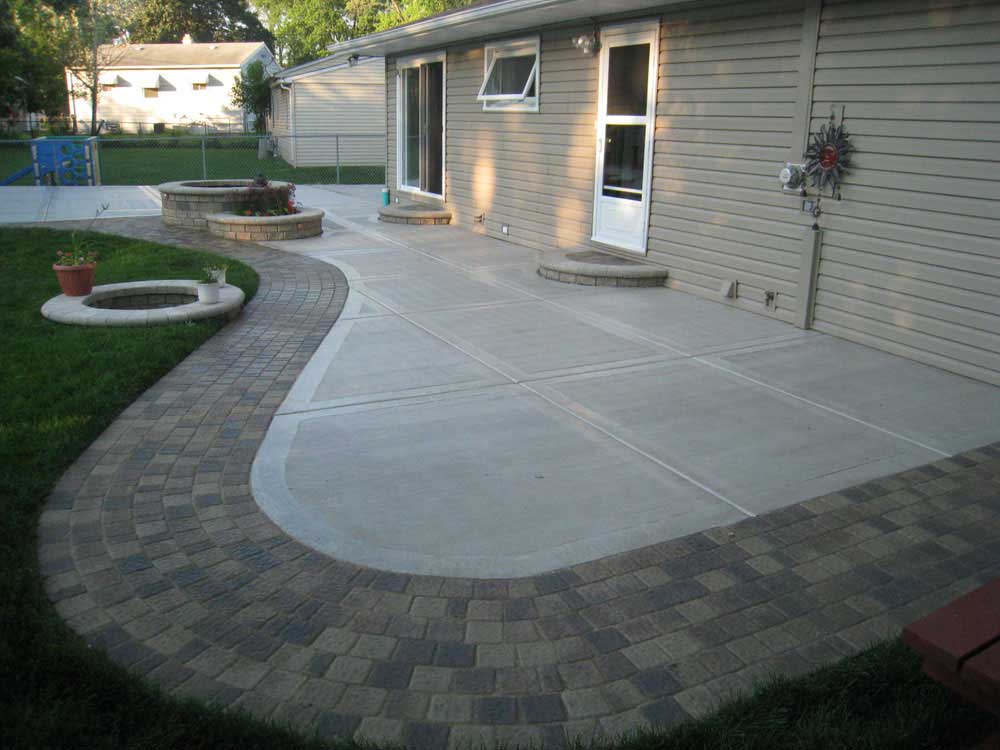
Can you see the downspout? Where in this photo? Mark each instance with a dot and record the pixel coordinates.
(813, 239)
(291, 114)
(385, 75)
(291, 123)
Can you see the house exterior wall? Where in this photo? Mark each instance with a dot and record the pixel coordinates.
(349, 100)
(908, 260)
(177, 101)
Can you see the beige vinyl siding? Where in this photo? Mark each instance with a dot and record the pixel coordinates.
(910, 257)
(533, 171)
(728, 85)
(910, 260)
(349, 101)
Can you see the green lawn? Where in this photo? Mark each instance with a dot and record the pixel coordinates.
(127, 162)
(61, 385)
(13, 156)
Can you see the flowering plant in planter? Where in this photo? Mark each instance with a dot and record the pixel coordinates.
(75, 267)
(267, 200)
(80, 255)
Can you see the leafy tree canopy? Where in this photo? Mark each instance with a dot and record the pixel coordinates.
(252, 93)
(397, 12)
(304, 28)
(205, 20)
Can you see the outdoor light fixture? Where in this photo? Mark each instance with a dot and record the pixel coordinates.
(588, 44)
(353, 60)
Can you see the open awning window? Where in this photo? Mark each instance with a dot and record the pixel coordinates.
(510, 80)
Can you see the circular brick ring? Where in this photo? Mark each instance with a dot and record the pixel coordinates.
(142, 303)
(186, 204)
(308, 222)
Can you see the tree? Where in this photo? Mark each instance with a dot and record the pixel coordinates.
(89, 52)
(252, 93)
(398, 12)
(205, 20)
(302, 29)
(32, 42)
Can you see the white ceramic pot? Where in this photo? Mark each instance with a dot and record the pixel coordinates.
(208, 294)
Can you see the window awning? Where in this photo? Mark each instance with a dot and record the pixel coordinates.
(145, 80)
(108, 79)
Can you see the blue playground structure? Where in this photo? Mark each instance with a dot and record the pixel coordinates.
(62, 160)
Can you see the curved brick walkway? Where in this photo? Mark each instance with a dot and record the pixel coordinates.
(153, 549)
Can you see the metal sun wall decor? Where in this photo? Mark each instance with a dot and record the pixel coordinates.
(828, 156)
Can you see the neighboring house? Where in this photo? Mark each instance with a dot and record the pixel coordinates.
(312, 102)
(494, 109)
(185, 83)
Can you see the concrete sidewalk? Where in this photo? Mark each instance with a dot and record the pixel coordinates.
(20, 204)
(466, 417)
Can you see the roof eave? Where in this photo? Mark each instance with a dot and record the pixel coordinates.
(372, 43)
(493, 20)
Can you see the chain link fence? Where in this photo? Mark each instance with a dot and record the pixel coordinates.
(336, 158)
(38, 125)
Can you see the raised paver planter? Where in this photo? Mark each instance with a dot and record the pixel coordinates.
(142, 303)
(413, 213)
(306, 223)
(594, 268)
(187, 203)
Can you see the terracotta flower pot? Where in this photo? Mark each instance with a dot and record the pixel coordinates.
(76, 281)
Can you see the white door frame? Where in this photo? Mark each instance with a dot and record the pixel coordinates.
(415, 61)
(619, 35)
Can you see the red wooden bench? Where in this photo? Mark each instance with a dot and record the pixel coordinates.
(960, 644)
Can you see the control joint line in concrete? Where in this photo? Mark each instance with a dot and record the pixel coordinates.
(680, 352)
(566, 410)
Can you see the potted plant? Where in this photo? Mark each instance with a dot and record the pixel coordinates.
(218, 272)
(208, 289)
(75, 267)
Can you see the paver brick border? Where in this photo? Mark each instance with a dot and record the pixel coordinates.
(153, 548)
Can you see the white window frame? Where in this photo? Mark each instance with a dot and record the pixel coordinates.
(415, 61)
(635, 32)
(512, 102)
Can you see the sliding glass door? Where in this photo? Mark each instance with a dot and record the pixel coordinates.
(420, 125)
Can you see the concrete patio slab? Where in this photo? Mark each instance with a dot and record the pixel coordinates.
(733, 406)
(386, 356)
(532, 339)
(440, 288)
(753, 445)
(691, 325)
(949, 413)
(492, 483)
